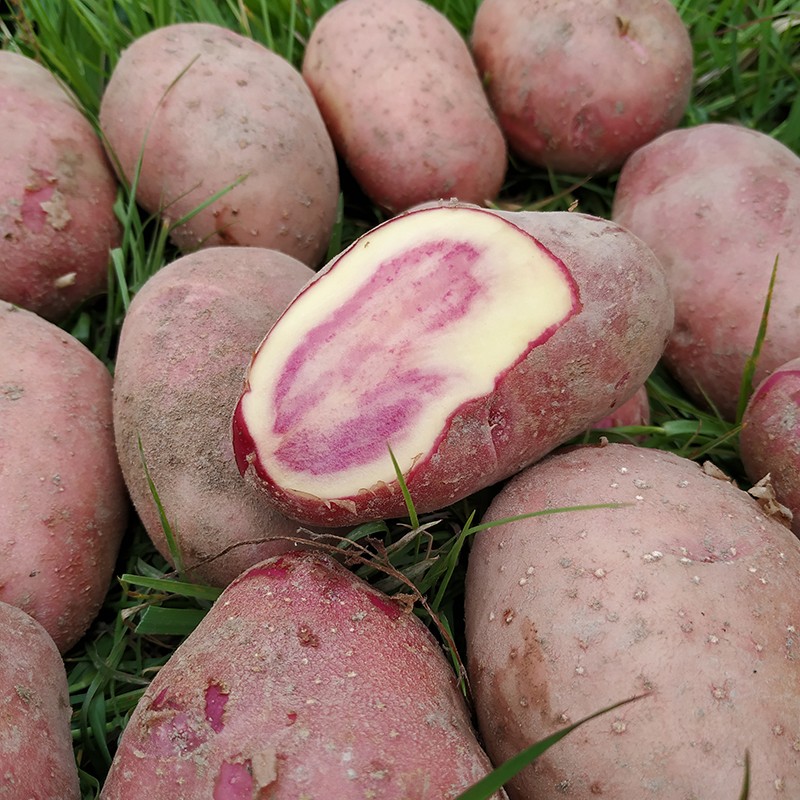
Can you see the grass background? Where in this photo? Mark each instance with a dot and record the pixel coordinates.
(747, 63)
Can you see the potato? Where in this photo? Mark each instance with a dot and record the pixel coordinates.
(63, 505)
(458, 339)
(36, 759)
(578, 85)
(718, 203)
(208, 107)
(404, 105)
(687, 595)
(57, 194)
(302, 681)
(184, 348)
(770, 437)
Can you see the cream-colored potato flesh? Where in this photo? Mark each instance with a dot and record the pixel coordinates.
(418, 317)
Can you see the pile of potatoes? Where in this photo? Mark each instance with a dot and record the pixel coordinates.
(268, 396)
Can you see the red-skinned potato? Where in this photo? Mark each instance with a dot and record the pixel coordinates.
(63, 505)
(718, 204)
(403, 102)
(302, 681)
(36, 758)
(185, 343)
(57, 194)
(578, 85)
(209, 107)
(770, 436)
(687, 595)
(453, 336)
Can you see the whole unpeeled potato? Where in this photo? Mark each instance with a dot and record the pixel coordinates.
(687, 595)
(63, 505)
(36, 757)
(205, 107)
(57, 192)
(404, 103)
(578, 85)
(718, 204)
(184, 347)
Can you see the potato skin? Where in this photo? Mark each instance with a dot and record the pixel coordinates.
(63, 505)
(184, 348)
(237, 109)
(36, 758)
(403, 102)
(302, 681)
(718, 203)
(634, 411)
(57, 220)
(688, 594)
(578, 85)
(770, 437)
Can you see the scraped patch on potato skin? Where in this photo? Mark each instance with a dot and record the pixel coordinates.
(603, 353)
(329, 688)
(687, 593)
(770, 436)
(395, 344)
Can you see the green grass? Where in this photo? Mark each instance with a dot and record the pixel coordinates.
(747, 63)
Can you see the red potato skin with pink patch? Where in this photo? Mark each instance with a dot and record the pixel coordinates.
(578, 86)
(603, 354)
(184, 346)
(36, 758)
(770, 437)
(210, 106)
(63, 505)
(688, 595)
(302, 681)
(56, 195)
(717, 203)
(634, 411)
(404, 104)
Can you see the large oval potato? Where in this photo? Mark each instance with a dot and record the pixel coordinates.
(578, 85)
(185, 344)
(302, 681)
(718, 204)
(470, 342)
(57, 193)
(207, 107)
(63, 505)
(36, 758)
(687, 595)
(770, 436)
(403, 102)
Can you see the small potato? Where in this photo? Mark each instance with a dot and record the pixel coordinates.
(185, 345)
(686, 595)
(36, 759)
(403, 102)
(770, 437)
(57, 193)
(578, 85)
(471, 342)
(718, 204)
(209, 107)
(302, 682)
(63, 505)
